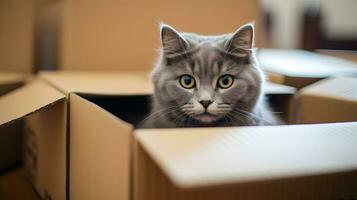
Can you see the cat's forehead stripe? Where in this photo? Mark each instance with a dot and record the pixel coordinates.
(216, 67)
(196, 68)
(205, 56)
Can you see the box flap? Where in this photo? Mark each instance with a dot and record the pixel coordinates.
(298, 63)
(26, 100)
(7, 77)
(274, 88)
(343, 88)
(100, 82)
(217, 156)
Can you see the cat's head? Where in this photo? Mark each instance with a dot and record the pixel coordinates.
(207, 78)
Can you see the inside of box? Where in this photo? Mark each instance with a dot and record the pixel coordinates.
(135, 108)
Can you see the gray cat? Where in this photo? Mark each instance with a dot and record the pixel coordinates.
(204, 81)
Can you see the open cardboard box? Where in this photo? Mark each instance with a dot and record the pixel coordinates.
(83, 144)
(298, 68)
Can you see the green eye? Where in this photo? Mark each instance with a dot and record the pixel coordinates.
(225, 81)
(187, 81)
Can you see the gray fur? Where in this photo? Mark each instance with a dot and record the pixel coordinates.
(207, 58)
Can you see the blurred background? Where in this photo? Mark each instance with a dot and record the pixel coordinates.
(110, 35)
(40, 35)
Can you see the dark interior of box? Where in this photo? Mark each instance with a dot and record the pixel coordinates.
(135, 108)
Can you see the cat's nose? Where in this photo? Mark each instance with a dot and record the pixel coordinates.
(205, 103)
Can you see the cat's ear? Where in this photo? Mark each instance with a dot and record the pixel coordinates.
(242, 39)
(173, 44)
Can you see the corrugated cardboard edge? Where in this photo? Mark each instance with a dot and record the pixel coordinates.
(39, 96)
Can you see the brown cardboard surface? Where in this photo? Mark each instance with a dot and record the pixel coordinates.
(196, 158)
(28, 99)
(329, 100)
(100, 82)
(100, 152)
(125, 34)
(17, 19)
(153, 184)
(300, 68)
(48, 128)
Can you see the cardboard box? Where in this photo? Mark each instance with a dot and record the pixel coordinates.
(11, 137)
(113, 35)
(276, 162)
(44, 109)
(17, 22)
(300, 68)
(329, 100)
(80, 130)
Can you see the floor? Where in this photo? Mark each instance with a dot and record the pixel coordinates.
(14, 186)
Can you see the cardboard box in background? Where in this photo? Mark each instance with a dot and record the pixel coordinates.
(17, 21)
(329, 100)
(300, 68)
(124, 35)
(11, 136)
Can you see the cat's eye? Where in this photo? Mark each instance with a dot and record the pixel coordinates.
(187, 81)
(225, 81)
